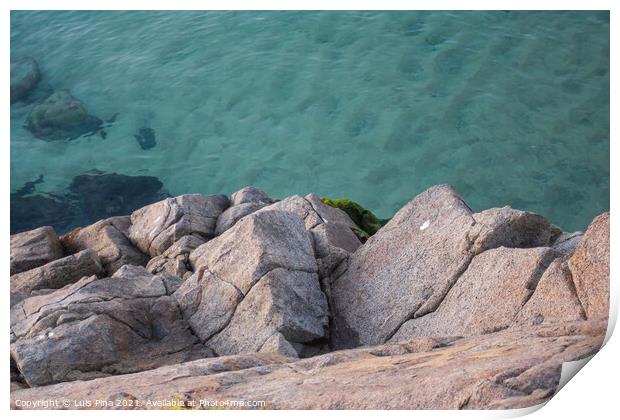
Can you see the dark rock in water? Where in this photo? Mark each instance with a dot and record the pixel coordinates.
(61, 116)
(29, 212)
(92, 196)
(146, 138)
(28, 187)
(102, 195)
(25, 75)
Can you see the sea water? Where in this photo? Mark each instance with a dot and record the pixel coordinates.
(511, 108)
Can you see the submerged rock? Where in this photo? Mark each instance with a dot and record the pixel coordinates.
(61, 116)
(102, 195)
(91, 196)
(146, 138)
(32, 211)
(28, 188)
(25, 75)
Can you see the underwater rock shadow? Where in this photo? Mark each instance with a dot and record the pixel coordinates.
(91, 196)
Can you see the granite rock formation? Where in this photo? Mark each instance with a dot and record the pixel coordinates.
(202, 298)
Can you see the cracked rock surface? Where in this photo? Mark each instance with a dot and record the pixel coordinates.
(247, 297)
(98, 327)
(406, 269)
(509, 369)
(236, 308)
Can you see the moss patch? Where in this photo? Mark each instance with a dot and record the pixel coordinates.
(366, 221)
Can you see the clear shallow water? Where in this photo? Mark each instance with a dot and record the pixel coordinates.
(509, 108)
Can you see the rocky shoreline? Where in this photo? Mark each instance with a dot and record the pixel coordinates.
(214, 298)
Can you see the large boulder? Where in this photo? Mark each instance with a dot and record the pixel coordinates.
(406, 269)
(55, 274)
(100, 327)
(331, 229)
(34, 248)
(156, 227)
(286, 305)
(61, 116)
(589, 266)
(250, 195)
(487, 297)
(108, 238)
(274, 293)
(514, 368)
(25, 75)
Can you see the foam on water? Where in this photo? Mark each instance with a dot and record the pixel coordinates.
(509, 108)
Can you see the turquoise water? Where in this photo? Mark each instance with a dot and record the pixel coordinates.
(510, 108)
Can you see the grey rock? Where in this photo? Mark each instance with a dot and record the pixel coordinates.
(284, 301)
(100, 327)
(554, 299)
(175, 260)
(175, 266)
(589, 266)
(230, 216)
(55, 274)
(184, 246)
(108, 238)
(34, 248)
(250, 195)
(333, 243)
(265, 240)
(25, 75)
(406, 269)
(512, 228)
(567, 243)
(300, 207)
(207, 302)
(328, 225)
(509, 369)
(237, 307)
(330, 214)
(417, 255)
(156, 227)
(329, 235)
(486, 298)
(278, 344)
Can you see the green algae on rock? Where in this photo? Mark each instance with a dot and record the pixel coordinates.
(366, 221)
